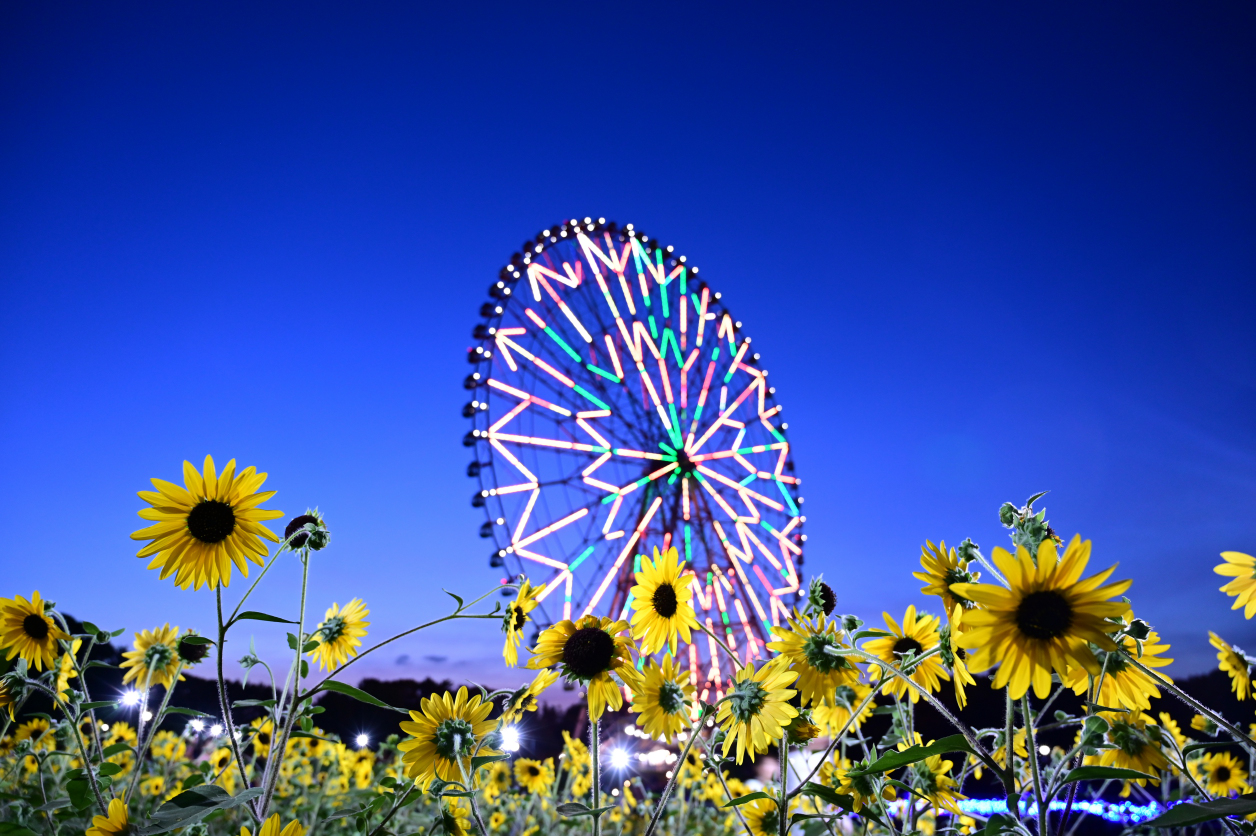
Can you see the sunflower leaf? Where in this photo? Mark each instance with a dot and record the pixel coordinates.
(832, 796)
(1187, 813)
(572, 809)
(1104, 773)
(252, 615)
(485, 760)
(88, 706)
(116, 749)
(746, 799)
(197, 640)
(192, 805)
(190, 712)
(457, 598)
(895, 760)
(1218, 744)
(358, 694)
(870, 634)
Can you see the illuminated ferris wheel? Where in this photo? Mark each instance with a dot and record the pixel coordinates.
(615, 408)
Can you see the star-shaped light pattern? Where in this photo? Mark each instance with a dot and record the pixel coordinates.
(617, 409)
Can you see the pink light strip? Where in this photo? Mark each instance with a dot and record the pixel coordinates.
(619, 561)
(518, 464)
(550, 529)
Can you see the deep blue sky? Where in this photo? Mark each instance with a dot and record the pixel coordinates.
(984, 250)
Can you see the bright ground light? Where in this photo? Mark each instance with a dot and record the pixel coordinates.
(362, 740)
(131, 698)
(510, 739)
(619, 759)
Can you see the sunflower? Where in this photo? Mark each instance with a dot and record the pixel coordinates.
(1233, 661)
(497, 820)
(456, 818)
(340, 634)
(662, 601)
(1222, 774)
(534, 776)
(833, 718)
(271, 827)
(155, 657)
(1124, 686)
(807, 647)
(1241, 567)
(497, 782)
(114, 824)
(66, 671)
(1135, 745)
(942, 570)
(524, 699)
(917, 636)
(955, 657)
(263, 730)
(7, 701)
(763, 817)
(169, 746)
(663, 700)
(443, 736)
(757, 708)
(931, 778)
(27, 631)
(517, 616)
(862, 787)
(1171, 726)
(589, 652)
(691, 768)
(202, 529)
(579, 766)
(1044, 621)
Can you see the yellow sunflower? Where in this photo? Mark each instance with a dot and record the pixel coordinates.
(27, 631)
(576, 760)
(7, 702)
(664, 699)
(1047, 619)
(1241, 567)
(66, 671)
(443, 735)
(1233, 661)
(271, 827)
(155, 657)
(942, 570)
(524, 699)
(663, 603)
(1171, 726)
(807, 647)
(534, 776)
(1124, 686)
(757, 710)
(589, 651)
(863, 789)
(918, 635)
(832, 718)
(517, 616)
(114, 824)
(203, 528)
(955, 657)
(340, 634)
(1222, 774)
(497, 820)
(263, 735)
(497, 782)
(456, 817)
(763, 816)
(1135, 745)
(931, 778)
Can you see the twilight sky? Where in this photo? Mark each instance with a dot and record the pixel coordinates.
(984, 251)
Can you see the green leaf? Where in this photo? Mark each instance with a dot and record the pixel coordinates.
(116, 749)
(192, 805)
(253, 703)
(56, 804)
(1187, 814)
(1195, 747)
(80, 793)
(357, 694)
(831, 796)
(8, 828)
(117, 632)
(309, 646)
(252, 615)
(110, 769)
(895, 760)
(869, 634)
(310, 735)
(91, 706)
(485, 760)
(1104, 773)
(96, 663)
(746, 799)
(191, 712)
(573, 809)
(999, 824)
(196, 640)
(457, 598)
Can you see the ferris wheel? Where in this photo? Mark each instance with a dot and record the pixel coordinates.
(615, 408)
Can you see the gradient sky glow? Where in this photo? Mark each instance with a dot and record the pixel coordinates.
(984, 251)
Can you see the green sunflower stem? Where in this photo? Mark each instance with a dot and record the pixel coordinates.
(1192, 702)
(1031, 747)
(719, 773)
(723, 646)
(694, 731)
(466, 782)
(78, 738)
(146, 744)
(782, 803)
(1009, 771)
(597, 776)
(225, 709)
(835, 741)
(87, 695)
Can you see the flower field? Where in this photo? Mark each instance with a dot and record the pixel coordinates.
(1016, 698)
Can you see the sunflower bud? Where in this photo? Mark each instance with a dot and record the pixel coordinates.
(193, 649)
(1007, 514)
(308, 530)
(820, 597)
(967, 551)
(801, 729)
(1138, 630)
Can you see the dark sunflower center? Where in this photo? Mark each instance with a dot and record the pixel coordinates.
(533, 771)
(453, 738)
(211, 521)
(520, 617)
(588, 652)
(263, 738)
(1044, 615)
(1222, 774)
(35, 626)
(664, 600)
(828, 598)
(908, 645)
(671, 697)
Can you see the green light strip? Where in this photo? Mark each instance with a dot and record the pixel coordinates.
(601, 372)
(583, 555)
(562, 343)
(688, 545)
(590, 397)
(667, 314)
(654, 331)
(748, 479)
(788, 499)
(676, 439)
(684, 273)
(668, 336)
